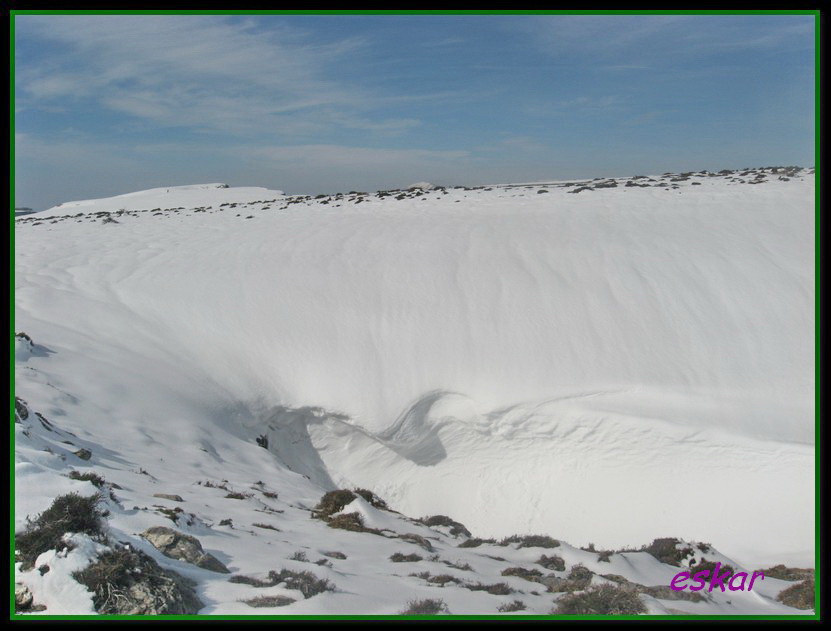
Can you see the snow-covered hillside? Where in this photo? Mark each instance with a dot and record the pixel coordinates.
(605, 362)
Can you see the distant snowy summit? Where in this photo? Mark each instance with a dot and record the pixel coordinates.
(215, 196)
(424, 186)
(188, 196)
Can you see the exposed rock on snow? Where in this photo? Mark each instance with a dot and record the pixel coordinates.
(126, 581)
(177, 545)
(168, 496)
(23, 598)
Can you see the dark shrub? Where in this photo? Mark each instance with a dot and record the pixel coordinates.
(269, 601)
(665, 592)
(498, 589)
(552, 563)
(530, 541)
(249, 580)
(332, 502)
(604, 600)
(456, 528)
(411, 537)
(788, 573)
(580, 573)
(90, 476)
(69, 513)
(126, 581)
(306, 582)
(800, 596)
(398, 557)
(442, 579)
(521, 572)
(579, 578)
(372, 499)
(665, 551)
(426, 607)
(516, 605)
(475, 542)
(704, 564)
(350, 521)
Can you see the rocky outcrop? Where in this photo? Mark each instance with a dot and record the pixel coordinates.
(182, 547)
(125, 581)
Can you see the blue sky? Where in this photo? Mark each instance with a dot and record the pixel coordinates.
(319, 104)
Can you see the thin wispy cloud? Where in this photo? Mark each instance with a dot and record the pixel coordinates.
(632, 40)
(197, 71)
(310, 103)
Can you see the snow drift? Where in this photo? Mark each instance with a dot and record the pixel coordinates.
(609, 366)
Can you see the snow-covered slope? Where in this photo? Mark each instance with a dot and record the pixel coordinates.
(602, 363)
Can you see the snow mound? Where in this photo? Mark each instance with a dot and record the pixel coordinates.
(187, 196)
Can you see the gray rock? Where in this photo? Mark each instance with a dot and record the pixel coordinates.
(21, 412)
(23, 598)
(167, 496)
(128, 582)
(84, 454)
(182, 547)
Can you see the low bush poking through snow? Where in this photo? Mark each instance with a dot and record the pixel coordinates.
(350, 521)
(305, 582)
(578, 578)
(125, 581)
(709, 566)
(249, 580)
(418, 540)
(455, 527)
(799, 596)
(332, 502)
(788, 573)
(89, 476)
(71, 513)
(528, 574)
(530, 541)
(666, 551)
(603, 600)
(475, 542)
(372, 499)
(269, 601)
(398, 557)
(426, 607)
(553, 562)
(498, 589)
(516, 605)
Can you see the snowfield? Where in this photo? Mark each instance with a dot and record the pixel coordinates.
(604, 362)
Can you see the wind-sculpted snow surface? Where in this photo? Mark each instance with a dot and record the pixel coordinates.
(623, 363)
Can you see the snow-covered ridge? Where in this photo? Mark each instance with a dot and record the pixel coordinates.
(169, 196)
(565, 357)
